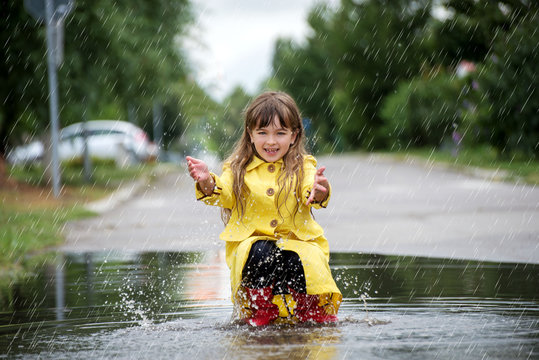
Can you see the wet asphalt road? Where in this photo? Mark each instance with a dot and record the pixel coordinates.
(378, 205)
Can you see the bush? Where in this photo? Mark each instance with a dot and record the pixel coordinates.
(424, 112)
(78, 163)
(508, 116)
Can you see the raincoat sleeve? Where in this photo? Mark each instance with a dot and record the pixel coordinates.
(309, 168)
(222, 195)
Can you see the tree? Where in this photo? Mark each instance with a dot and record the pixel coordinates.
(508, 80)
(116, 55)
(501, 37)
(376, 44)
(424, 111)
(23, 91)
(473, 27)
(200, 121)
(125, 55)
(229, 127)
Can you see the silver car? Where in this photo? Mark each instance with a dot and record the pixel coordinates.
(106, 139)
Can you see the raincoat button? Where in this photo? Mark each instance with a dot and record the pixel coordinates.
(273, 223)
(271, 168)
(270, 192)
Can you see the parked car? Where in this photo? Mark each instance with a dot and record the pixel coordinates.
(106, 139)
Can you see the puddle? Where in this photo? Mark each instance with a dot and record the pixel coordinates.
(176, 305)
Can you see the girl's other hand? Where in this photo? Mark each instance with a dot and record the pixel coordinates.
(320, 188)
(197, 169)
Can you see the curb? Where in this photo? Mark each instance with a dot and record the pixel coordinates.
(119, 196)
(127, 191)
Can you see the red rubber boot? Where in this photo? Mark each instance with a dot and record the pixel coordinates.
(263, 310)
(307, 309)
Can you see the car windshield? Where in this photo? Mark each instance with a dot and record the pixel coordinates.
(95, 132)
(105, 132)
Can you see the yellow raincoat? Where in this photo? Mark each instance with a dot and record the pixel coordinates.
(262, 221)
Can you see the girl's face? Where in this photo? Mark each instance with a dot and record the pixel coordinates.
(272, 142)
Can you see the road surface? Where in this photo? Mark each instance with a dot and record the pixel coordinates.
(378, 205)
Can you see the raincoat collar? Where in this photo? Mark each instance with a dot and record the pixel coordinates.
(256, 162)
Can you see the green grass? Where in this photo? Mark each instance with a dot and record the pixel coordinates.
(32, 230)
(31, 218)
(517, 168)
(25, 237)
(104, 174)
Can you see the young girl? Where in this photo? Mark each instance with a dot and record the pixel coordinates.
(277, 254)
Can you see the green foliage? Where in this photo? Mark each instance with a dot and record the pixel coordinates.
(228, 128)
(120, 59)
(508, 80)
(423, 112)
(468, 34)
(378, 74)
(124, 56)
(377, 44)
(23, 91)
(173, 121)
(201, 116)
(116, 55)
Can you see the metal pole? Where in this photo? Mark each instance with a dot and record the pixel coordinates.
(158, 128)
(53, 94)
(86, 153)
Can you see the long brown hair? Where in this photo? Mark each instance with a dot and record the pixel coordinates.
(261, 113)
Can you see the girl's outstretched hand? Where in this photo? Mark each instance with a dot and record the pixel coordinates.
(197, 169)
(320, 188)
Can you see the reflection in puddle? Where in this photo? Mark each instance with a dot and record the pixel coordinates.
(177, 305)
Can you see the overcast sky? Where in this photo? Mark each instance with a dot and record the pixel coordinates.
(232, 41)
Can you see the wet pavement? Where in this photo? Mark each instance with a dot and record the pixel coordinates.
(420, 209)
(378, 206)
(432, 264)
